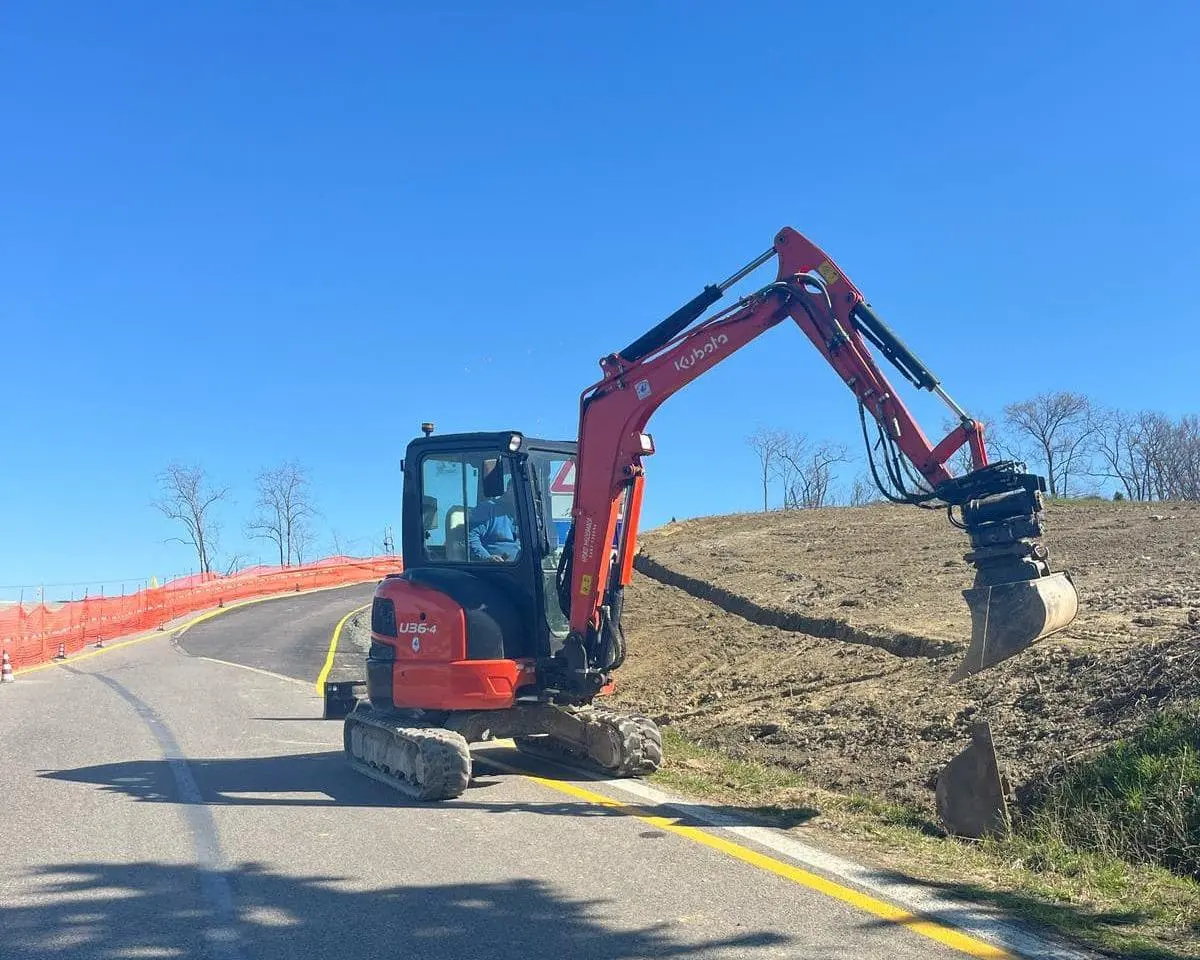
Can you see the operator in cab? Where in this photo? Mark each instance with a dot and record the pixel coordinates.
(492, 532)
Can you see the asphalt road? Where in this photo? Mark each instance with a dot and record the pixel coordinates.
(289, 635)
(157, 803)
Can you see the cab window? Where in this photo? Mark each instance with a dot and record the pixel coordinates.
(469, 509)
(554, 474)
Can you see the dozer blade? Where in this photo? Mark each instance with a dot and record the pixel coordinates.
(340, 698)
(1008, 617)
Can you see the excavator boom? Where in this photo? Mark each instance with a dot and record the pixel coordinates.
(1015, 600)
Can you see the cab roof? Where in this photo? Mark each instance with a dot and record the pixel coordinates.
(489, 440)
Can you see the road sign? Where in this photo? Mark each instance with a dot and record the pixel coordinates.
(564, 480)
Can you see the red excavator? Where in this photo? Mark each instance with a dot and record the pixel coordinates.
(506, 621)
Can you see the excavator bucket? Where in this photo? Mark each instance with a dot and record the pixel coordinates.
(1008, 617)
(970, 790)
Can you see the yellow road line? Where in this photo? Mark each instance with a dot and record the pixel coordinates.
(173, 631)
(947, 936)
(337, 632)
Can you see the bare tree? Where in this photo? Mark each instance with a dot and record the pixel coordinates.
(863, 491)
(806, 469)
(1180, 469)
(339, 548)
(302, 540)
(1116, 442)
(268, 523)
(1158, 438)
(342, 545)
(1054, 430)
(768, 445)
(283, 509)
(1131, 449)
(1149, 455)
(187, 496)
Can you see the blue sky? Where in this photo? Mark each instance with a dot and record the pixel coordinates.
(238, 233)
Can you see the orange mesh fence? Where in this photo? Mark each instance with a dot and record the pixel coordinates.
(32, 634)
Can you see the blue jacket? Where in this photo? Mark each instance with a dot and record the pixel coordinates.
(493, 531)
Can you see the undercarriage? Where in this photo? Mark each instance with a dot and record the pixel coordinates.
(425, 755)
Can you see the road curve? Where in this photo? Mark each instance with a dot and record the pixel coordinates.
(157, 802)
(289, 635)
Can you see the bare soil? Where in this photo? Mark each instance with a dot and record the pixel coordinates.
(823, 640)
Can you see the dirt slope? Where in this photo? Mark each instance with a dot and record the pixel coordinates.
(853, 692)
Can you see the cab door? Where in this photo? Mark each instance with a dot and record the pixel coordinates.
(551, 476)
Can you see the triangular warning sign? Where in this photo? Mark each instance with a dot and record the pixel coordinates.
(564, 480)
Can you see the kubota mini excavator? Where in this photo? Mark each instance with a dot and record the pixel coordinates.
(506, 621)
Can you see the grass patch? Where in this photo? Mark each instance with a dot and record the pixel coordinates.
(1129, 909)
(1139, 800)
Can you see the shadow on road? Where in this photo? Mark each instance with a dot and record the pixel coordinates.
(323, 779)
(154, 909)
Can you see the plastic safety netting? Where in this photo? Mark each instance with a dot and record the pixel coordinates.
(33, 633)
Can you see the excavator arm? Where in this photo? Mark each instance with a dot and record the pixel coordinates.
(1015, 599)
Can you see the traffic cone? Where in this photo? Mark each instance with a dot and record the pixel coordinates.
(6, 674)
(62, 652)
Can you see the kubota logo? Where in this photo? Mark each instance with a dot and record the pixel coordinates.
(699, 353)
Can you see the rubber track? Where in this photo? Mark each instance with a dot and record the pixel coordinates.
(445, 759)
(639, 738)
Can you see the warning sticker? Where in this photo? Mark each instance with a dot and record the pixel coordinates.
(828, 272)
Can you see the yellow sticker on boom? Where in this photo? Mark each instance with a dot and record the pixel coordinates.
(585, 585)
(829, 272)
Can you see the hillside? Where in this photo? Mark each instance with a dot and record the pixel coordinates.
(833, 633)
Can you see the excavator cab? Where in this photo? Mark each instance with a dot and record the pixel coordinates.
(485, 517)
(475, 621)
(466, 642)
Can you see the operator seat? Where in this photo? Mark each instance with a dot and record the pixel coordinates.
(456, 534)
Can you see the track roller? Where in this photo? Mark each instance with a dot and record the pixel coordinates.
(420, 761)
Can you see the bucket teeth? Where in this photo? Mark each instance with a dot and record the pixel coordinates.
(1007, 618)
